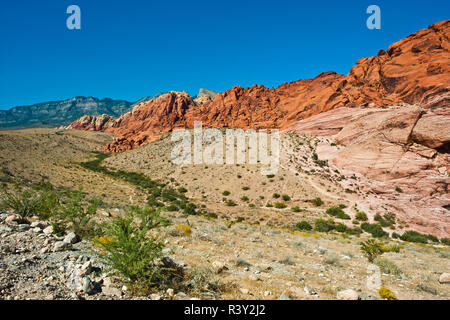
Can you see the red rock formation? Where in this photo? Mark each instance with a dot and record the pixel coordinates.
(406, 147)
(414, 70)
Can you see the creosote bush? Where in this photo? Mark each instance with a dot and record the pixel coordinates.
(317, 202)
(303, 226)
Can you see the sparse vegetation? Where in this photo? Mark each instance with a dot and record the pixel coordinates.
(317, 202)
(303, 226)
(387, 294)
(372, 249)
(374, 229)
(132, 251)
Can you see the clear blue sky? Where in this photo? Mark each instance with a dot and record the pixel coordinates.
(135, 48)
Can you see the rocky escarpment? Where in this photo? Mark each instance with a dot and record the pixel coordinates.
(414, 70)
(401, 155)
(61, 113)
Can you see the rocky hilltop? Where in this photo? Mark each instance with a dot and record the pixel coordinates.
(414, 70)
(61, 113)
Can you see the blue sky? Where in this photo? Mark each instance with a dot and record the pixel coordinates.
(135, 48)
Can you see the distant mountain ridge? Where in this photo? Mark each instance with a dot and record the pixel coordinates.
(61, 113)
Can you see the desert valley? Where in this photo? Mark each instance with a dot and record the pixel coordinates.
(95, 208)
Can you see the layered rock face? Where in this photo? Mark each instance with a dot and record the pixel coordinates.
(61, 113)
(414, 70)
(399, 148)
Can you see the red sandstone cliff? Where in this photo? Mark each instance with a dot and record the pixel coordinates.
(415, 70)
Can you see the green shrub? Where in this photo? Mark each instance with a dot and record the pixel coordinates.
(361, 216)
(322, 225)
(296, 209)
(190, 209)
(285, 197)
(398, 189)
(76, 212)
(414, 236)
(172, 208)
(338, 213)
(372, 249)
(244, 198)
(375, 230)
(230, 203)
(24, 204)
(276, 195)
(395, 235)
(280, 205)
(245, 188)
(317, 202)
(132, 251)
(303, 226)
(445, 241)
(182, 190)
(387, 221)
(432, 238)
(226, 193)
(387, 266)
(341, 227)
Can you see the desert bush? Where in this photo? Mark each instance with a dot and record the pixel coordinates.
(374, 229)
(432, 238)
(387, 294)
(25, 204)
(245, 188)
(244, 198)
(226, 193)
(133, 247)
(201, 280)
(303, 226)
(280, 205)
(414, 236)
(372, 249)
(276, 195)
(184, 229)
(387, 266)
(172, 208)
(341, 227)
(338, 213)
(395, 235)
(361, 216)
(230, 203)
(322, 225)
(190, 209)
(182, 190)
(296, 209)
(285, 197)
(317, 202)
(76, 212)
(445, 241)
